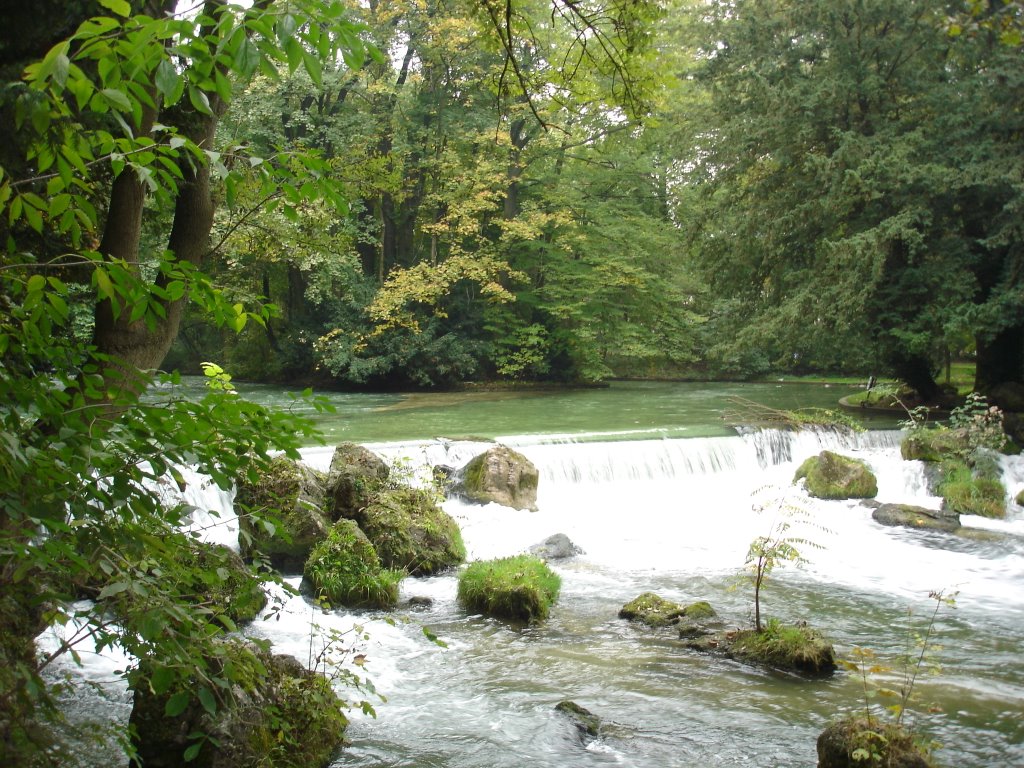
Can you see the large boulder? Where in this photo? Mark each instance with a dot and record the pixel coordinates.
(935, 444)
(833, 476)
(282, 514)
(355, 475)
(851, 742)
(287, 716)
(217, 577)
(520, 588)
(556, 547)
(411, 532)
(910, 516)
(344, 569)
(502, 476)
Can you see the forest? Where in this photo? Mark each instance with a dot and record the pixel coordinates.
(415, 194)
(572, 193)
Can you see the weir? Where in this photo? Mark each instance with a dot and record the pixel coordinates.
(674, 516)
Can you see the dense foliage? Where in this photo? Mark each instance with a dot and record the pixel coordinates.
(399, 193)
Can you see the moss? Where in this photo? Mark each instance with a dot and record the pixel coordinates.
(520, 588)
(308, 712)
(272, 711)
(217, 578)
(971, 492)
(344, 569)
(785, 646)
(652, 610)
(355, 475)
(411, 532)
(292, 496)
(699, 611)
(832, 476)
(585, 721)
(857, 742)
(934, 444)
(24, 736)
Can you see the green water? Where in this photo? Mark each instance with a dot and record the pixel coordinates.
(621, 411)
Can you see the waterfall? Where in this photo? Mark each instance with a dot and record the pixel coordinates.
(675, 516)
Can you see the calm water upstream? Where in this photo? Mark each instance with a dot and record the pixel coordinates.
(655, 509)
(623, 410)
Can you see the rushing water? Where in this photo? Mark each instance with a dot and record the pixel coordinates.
(676, 516)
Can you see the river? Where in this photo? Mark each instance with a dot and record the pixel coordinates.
(659, 493)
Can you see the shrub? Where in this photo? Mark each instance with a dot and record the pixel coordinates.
(520, 588)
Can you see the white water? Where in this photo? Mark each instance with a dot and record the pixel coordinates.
(677, 517)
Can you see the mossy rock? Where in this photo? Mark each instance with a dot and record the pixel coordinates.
(274, 712)
(355, 475)
(935, 444)
(652, 610)
(786, 647)
(193, 571)
(791, 647)
(502, 476)
(588, 725)
(968, 491)
(851, 742)
(344, 569)
(412, 533)
(910, 516)
(1019, 501)
(219, 578)
(833, 476)
(292, 494)
(698, 619)
(521, 588)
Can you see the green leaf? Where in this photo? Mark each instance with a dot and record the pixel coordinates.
(113, 589)
(120, 7)
(117, 99)
(162, 679)
(192, 752)
(177, 704)
(208, 701)
(168, 81)
(247, 59)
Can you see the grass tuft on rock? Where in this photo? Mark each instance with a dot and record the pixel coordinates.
(344, 569)
(520, 588)
(833, 476)
(970, 492)
(794, 647)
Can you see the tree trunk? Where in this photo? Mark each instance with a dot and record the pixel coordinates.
(1000, 359)
(916, 372)
(134, 347)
